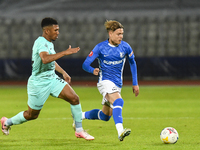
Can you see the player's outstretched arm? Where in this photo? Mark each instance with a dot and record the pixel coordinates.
(136, 90)
(47, 58)
(70, 50)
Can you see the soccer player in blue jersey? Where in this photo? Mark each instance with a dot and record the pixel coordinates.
(44, 82)
(111, 55)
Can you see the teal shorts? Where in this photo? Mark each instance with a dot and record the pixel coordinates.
(39, 90)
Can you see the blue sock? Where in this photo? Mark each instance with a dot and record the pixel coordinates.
(92, 114)
(17, 119)
(117, 110)
(96, 114)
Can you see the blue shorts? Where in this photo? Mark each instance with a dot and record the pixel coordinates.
(39, 90)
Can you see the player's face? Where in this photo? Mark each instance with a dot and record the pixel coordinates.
(115, 37)
(53, 32)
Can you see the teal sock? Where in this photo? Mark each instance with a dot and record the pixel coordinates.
(18, 119)
(77, 114)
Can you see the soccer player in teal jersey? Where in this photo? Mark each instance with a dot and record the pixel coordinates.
(44, 82)
(111, 55)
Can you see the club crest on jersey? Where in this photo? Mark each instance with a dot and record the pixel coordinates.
(91, 53)
(130, 54)
(121, 54)
(46, 45)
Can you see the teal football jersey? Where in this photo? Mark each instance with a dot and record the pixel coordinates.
(38, 68)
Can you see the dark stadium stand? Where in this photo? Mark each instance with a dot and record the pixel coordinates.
(154, 29)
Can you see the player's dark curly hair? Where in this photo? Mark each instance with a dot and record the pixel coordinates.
(48, 22)
(112, 25)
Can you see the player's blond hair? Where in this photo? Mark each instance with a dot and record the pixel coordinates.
(112, 25)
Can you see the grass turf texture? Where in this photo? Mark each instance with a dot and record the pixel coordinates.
(155, 108)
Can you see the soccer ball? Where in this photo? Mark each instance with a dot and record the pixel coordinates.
(169, 135)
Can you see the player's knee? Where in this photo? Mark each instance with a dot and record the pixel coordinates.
(33, 117)
(107, 118)
(118, 102)
(103, 116)
(30, 116)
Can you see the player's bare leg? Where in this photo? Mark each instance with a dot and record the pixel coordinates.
(31, 114)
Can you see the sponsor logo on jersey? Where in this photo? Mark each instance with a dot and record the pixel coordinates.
(90, 54)
(130, 54)
(112, 62)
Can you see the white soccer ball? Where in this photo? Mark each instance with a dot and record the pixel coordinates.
(169, 135)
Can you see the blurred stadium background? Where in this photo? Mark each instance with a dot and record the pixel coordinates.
(164, 35)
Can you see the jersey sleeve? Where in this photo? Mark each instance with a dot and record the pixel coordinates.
(42, 46)
(90, 58)
(133, 65)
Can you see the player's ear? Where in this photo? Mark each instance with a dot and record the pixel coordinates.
(46, 30)
(110, 33)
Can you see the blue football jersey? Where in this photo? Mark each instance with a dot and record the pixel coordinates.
(111, 61)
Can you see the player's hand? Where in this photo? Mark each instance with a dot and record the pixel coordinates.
(136, 90)
(70, 50)
(96, 71)
(67, 78)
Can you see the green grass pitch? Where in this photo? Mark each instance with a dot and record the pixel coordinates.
(155, 108)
